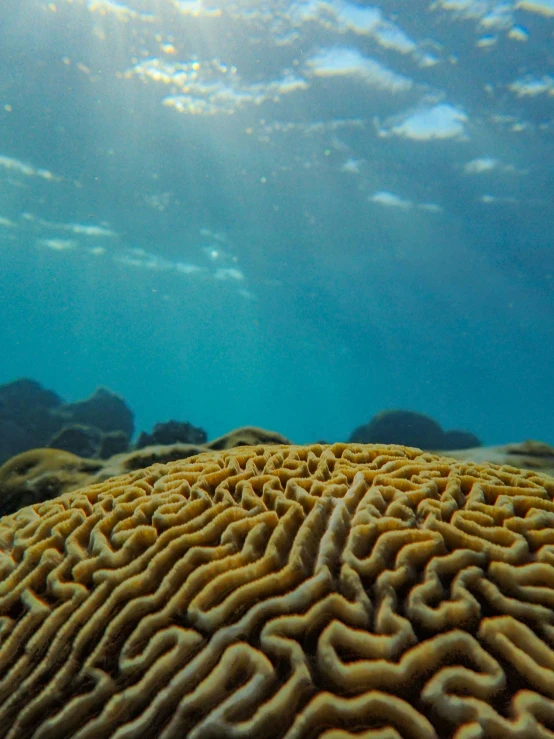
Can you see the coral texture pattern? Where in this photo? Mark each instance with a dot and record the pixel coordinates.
(279, 591)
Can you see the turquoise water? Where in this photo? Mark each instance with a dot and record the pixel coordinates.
(289, 215)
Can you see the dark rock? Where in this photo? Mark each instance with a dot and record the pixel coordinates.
(26, 417)
(104, 409)
(32, 417)
(23, 396)
(172, 432)
(400, 427)
(77, 439)
(90, 442)
(458, 440)
(13, 439)
(114, 442)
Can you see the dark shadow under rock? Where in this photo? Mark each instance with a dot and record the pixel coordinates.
(148, 455)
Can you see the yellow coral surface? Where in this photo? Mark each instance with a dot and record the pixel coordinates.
(279, 591)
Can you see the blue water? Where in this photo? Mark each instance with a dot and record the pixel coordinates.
(287, 214)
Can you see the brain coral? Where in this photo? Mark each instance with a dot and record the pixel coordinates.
(279, 591)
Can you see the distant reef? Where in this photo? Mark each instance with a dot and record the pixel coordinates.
(98, 427)
(40, 474)
(32, 417)
(412, 429)
(49, 447)
(101, 426)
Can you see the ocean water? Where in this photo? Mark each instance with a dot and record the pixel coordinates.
(286, 214)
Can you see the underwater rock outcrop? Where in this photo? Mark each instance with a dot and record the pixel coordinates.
(104, 410)
(88, 441)
(32, 417)
(41, 474)
(282, 591)
(455, 439)
(27, 418)
(172, 432)
(412, 429)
